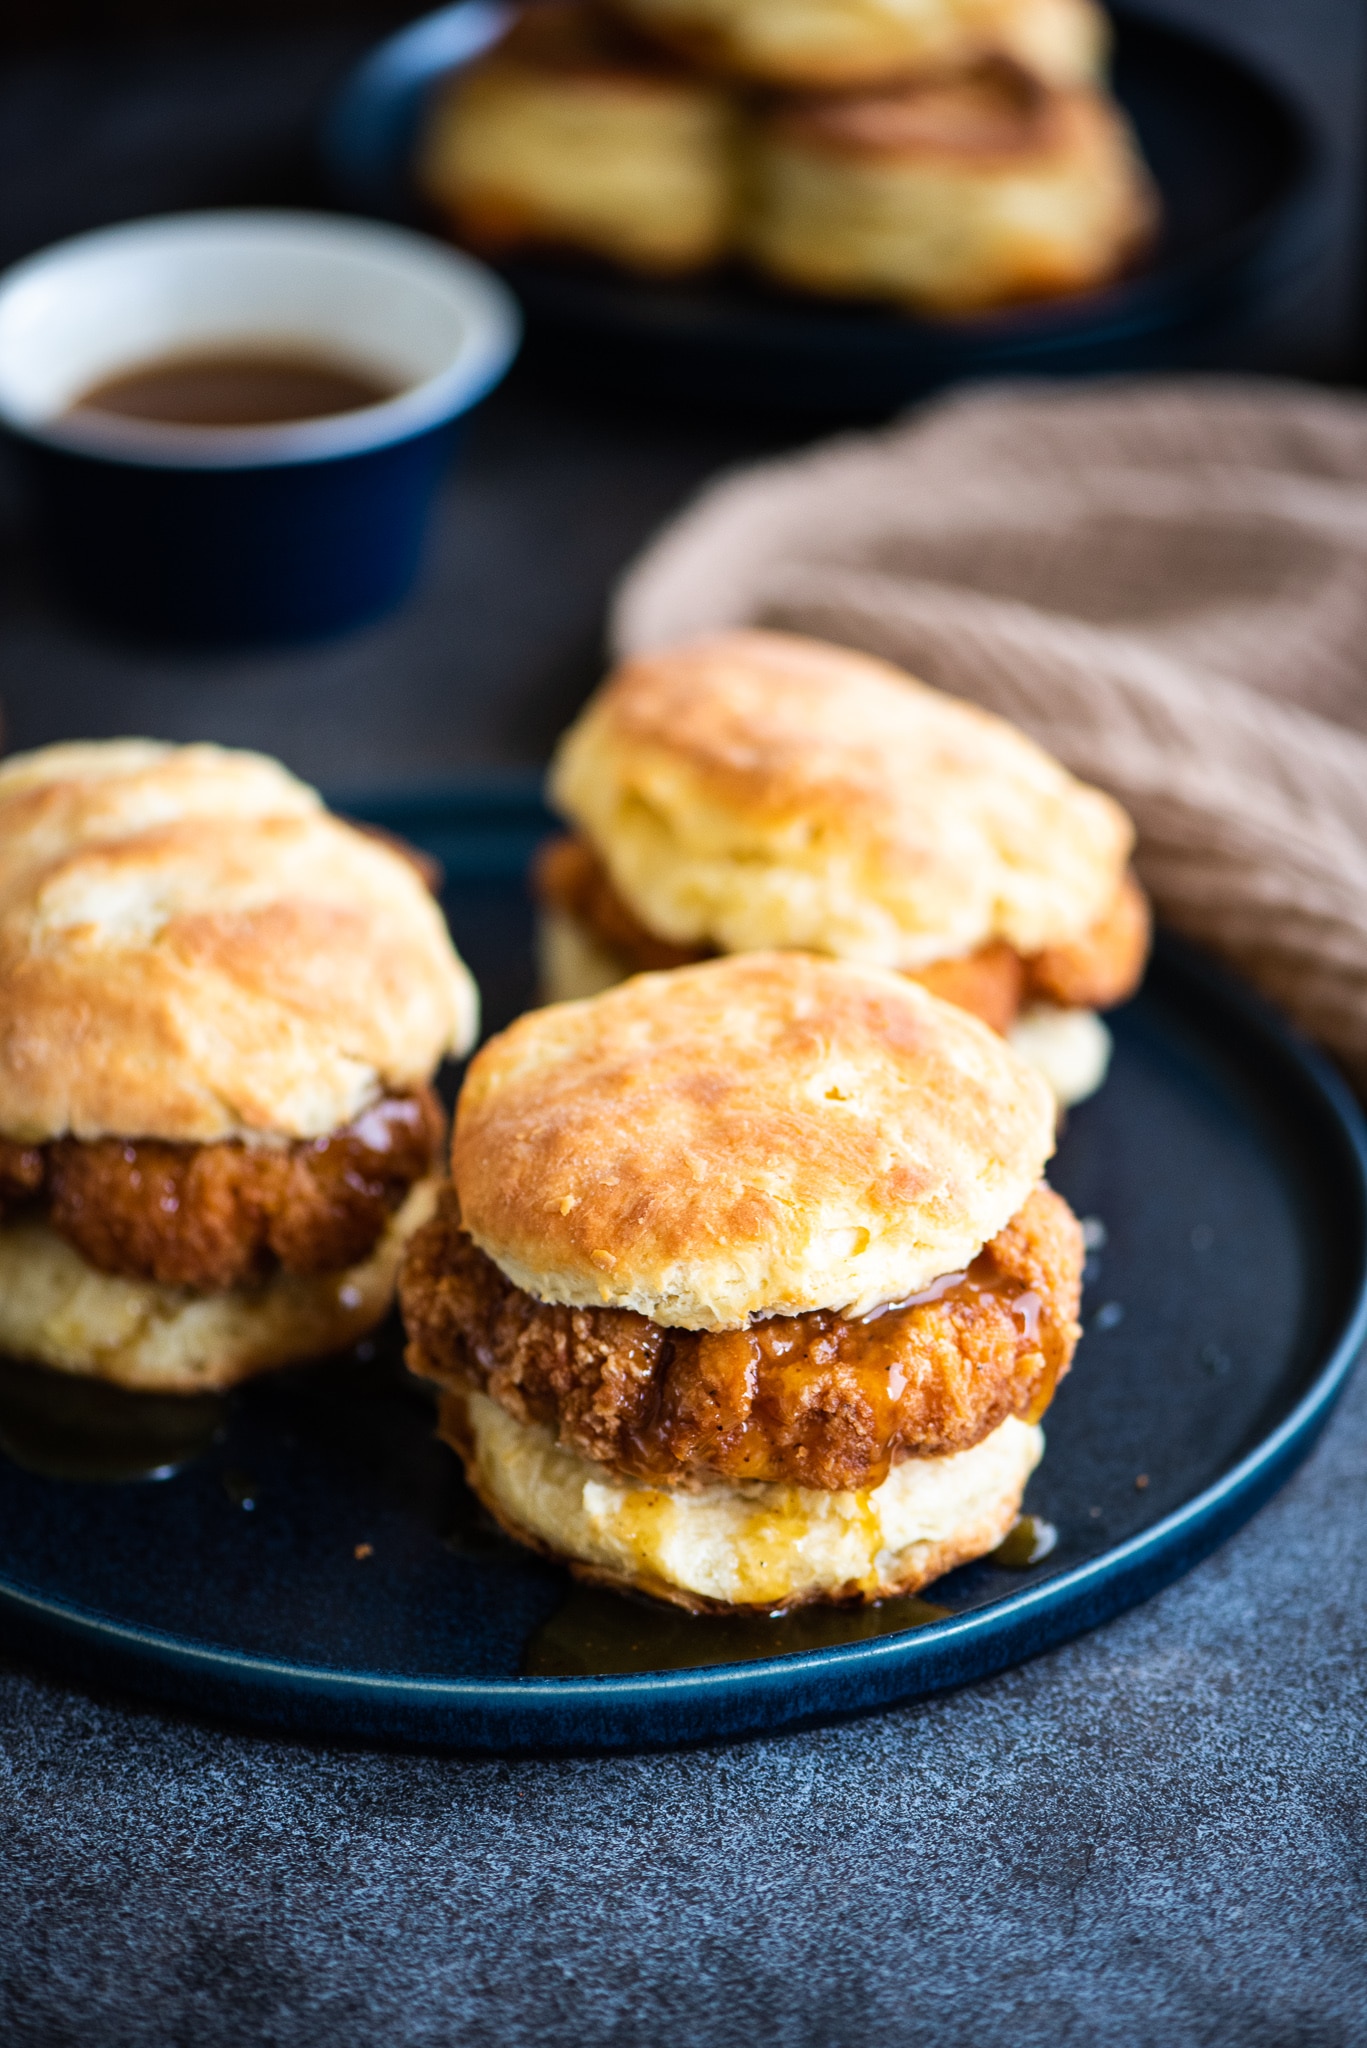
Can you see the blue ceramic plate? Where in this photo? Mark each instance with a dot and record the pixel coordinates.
(1228, 1167)
(1234, 161)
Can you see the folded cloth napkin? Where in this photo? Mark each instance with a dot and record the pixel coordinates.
(1163, 580)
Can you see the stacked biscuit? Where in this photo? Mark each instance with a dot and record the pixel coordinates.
(946, 155)
(220, 1013)
(762, 789)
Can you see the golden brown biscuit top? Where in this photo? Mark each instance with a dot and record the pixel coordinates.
(759, 1135)
(193, 948)
(760, 789)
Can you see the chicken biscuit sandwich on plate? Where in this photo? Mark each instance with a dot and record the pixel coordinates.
(221, 1009)
(747, 1291)
(760, 789)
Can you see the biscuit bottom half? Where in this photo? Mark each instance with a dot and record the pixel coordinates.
(1070, 1047)
(57, 1310)
(755, 1545)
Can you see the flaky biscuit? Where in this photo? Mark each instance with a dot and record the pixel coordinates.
(761, 789)
(837, 45)
(569, 135)
(192, 948)
(761, 1546)
(950, 197)
(759, 1135)
(57, 1310)
(1070, 1047)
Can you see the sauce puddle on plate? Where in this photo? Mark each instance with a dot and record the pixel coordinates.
(594, 1633)
(63, 1426)
(1028, 1541)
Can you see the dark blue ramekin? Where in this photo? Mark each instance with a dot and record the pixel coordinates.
(243, 534)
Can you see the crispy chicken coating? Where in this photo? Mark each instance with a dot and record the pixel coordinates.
(990, 983)
(995, 983)
(23, 1169)
(1105, 966)
(568, 876)
(211, 1217)
(815, 1400)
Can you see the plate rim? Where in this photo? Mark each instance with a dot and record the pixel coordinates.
(615, 1710)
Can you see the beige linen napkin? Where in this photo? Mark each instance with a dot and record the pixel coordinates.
(1164, 581)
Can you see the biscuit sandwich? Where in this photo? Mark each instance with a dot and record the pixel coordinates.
(757, 789)
(949, 196)
(221, 1009)
(573, 134)
(840, 45)
(747, 1290)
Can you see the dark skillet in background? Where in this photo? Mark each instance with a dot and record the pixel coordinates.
(1223, 1314)
(1235, 162)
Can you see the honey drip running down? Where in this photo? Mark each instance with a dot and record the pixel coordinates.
(875, 1347)
(984, 1276)
(597, 1633)
(235, 388)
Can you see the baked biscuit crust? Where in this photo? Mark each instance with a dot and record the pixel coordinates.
(763, 1548)
(950, 197)
(814, 45)
(573, 133)
(759, 789)
(815, 1400)
(568, 876)
(759, 1135)
(1095, 971)
(193, 949)
(56, 1310)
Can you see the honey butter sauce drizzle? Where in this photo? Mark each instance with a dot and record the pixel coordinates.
(982, 1277)
(598, 1632)
(595, 1633)
(740, 1365)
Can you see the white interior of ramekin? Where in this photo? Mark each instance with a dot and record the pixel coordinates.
(432, 322)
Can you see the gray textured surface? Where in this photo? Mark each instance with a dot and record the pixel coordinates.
(1153, 1836)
